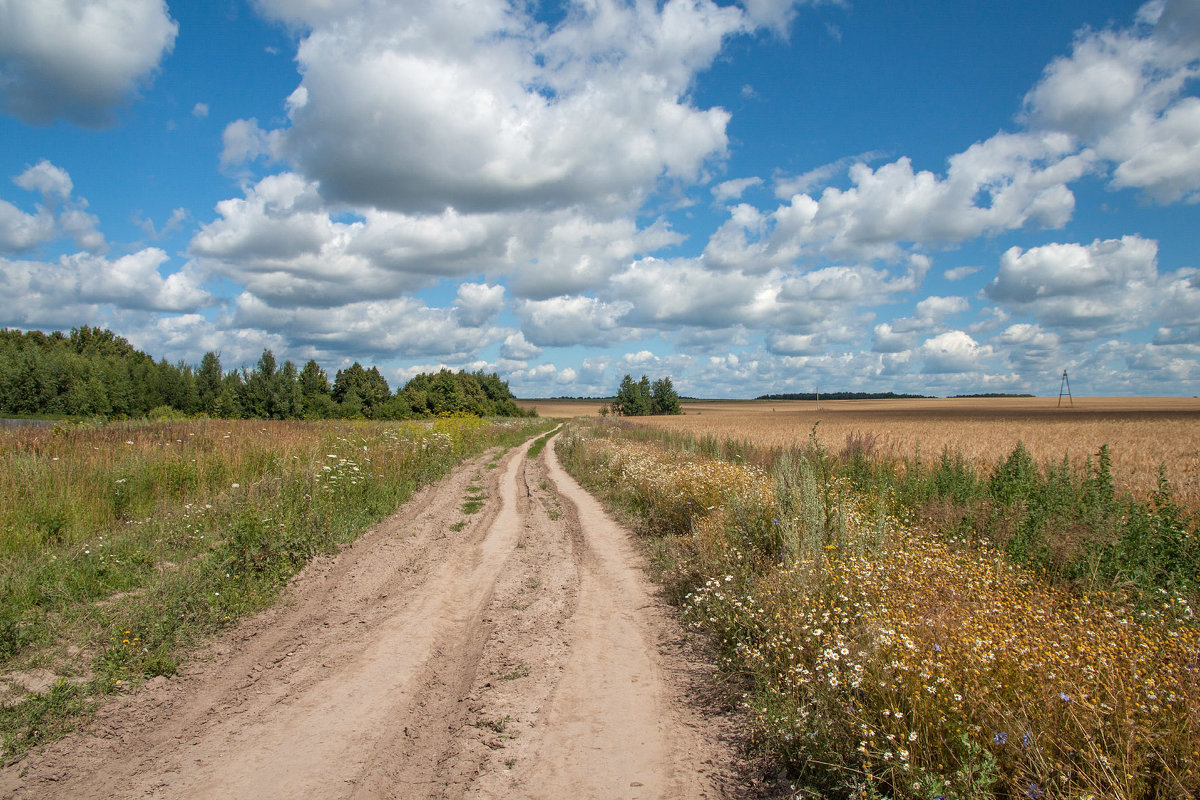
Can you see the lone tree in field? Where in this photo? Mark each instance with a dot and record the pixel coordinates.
(640, 399)
(663, 398)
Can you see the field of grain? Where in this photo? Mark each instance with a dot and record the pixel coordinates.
(1141, 433)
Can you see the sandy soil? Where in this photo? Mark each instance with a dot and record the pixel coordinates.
(522, 656)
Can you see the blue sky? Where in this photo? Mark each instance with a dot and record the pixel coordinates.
(758, 196)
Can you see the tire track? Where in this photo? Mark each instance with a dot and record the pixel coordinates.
(522, 655)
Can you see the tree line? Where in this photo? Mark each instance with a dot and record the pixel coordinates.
(93, 372)
(842, 396)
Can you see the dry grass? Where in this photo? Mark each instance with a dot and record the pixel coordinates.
(1142, 433)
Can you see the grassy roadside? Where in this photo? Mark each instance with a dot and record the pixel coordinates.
(918, 631)
(121, 546)
(540, 443)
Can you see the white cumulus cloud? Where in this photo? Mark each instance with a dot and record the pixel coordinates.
(570, 320)
(378, 329)
(46, 179)
(58, 214)
(418, 107)
(478, 303)
(78, 61)
(1125, 93)
(953, 352)
(1106, 286)
(81, 281)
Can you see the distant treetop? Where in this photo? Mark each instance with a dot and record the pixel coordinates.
(988, 396)
(843, 396)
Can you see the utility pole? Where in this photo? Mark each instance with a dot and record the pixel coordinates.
(1065, 385)
(818, 397)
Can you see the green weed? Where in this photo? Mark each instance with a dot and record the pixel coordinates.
(521, 670)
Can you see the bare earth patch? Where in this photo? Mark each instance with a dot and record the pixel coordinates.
(516, 651)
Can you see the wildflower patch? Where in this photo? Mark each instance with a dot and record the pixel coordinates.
(882, 657)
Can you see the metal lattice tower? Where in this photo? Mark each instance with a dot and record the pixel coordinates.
(1065, 385)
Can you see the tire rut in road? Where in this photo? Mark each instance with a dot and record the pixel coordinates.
(513, 652)
(587, 687)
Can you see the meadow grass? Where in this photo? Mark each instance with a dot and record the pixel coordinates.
(881, 654)
(123, 545)
(539, 444)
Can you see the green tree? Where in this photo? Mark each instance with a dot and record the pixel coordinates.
(208, 382)
(446, 394)
(230, 404)
(88, 397)
(189, 398)
(287, 392)
(395, 407)
(316, 395)
(645, 401)
(463, 392)
(351, 406)
(368, 384)
(625, 402)
(320, 406)
(663, 398)
(27, 375)
(119, 386)
(313, 379)
(261, 385)
(500, 400)
(633, 399)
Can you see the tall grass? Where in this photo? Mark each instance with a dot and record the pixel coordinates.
(123, 545)
(1064, 519)
(884, 655)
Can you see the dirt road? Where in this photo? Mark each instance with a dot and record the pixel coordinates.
(513, 652)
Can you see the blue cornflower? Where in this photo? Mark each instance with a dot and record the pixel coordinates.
(1066, 698)
(1033, 791)
(1000, 738)
(1027, 739)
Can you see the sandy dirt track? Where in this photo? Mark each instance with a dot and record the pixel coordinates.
(521, 656)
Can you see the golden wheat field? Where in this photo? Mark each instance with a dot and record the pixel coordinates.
(1141, 433)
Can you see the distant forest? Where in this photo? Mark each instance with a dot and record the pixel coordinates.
(92, 372)
(989, 395)
(843, 396)
(878, 396)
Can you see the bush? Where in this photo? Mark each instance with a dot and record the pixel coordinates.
(165, 414)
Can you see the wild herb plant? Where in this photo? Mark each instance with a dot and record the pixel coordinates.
(883, 655)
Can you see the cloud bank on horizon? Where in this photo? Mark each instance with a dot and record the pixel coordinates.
(566, 192)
